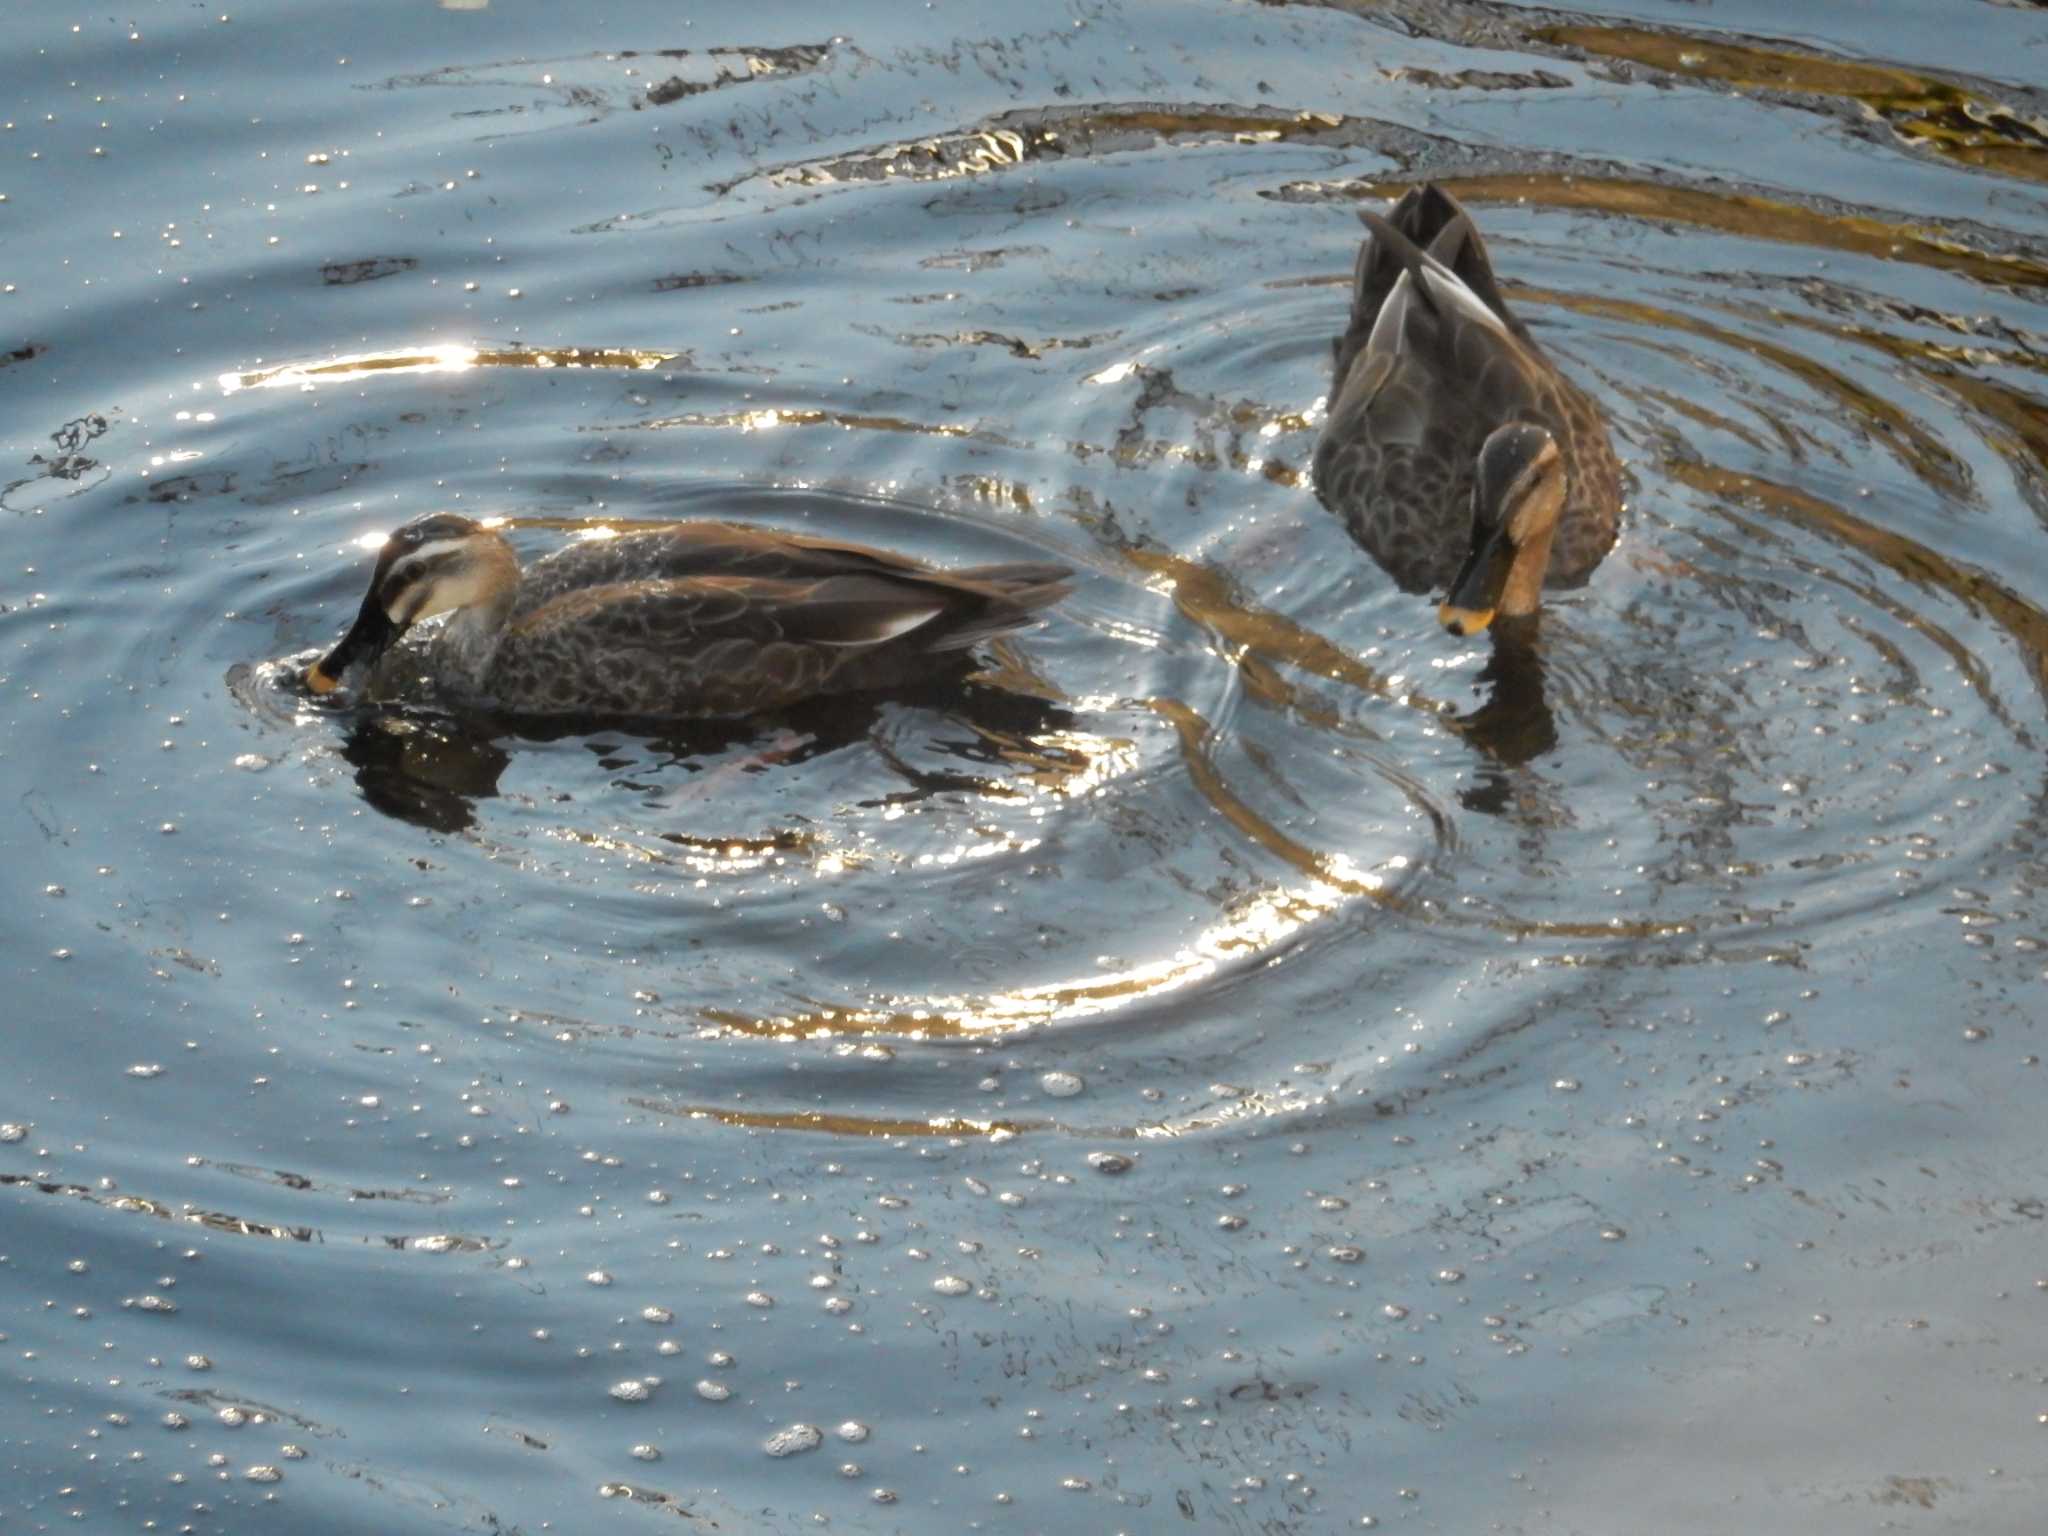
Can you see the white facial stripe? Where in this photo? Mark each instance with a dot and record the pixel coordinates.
(425, 552)
(420, 584)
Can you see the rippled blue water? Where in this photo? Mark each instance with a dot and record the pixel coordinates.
(1252, 1063)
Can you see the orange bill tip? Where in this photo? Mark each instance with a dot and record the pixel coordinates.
(1463, 621)
(320, 682)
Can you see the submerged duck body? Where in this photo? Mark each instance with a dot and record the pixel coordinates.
(681, 621)
(1454, 451)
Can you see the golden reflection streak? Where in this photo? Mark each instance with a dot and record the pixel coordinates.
(1012, 670)
(2024, 416)
(1974, 588)
(1257, 1105)
(1165, 122)
(1699, 415)
(449, 358)
(1337, 873)
(1256, 926)
(836, 1124)
(717, 855)
(239, 1226)
(1954, 122)
(991, 489)
(1332, 873)
(1736, 213)
(788, 416)
(1919, 450)
(1070, 764)
(823, 1022)
(1207, 597)
(1257, 639)
(997, 146)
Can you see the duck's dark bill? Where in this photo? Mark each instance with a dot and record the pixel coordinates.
(365, 641)
(1475, 595)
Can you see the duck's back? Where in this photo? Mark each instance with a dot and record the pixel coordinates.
(720, 619)
(683, 551)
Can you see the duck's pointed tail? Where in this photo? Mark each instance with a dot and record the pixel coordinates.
(994, 598)
(1427, 224)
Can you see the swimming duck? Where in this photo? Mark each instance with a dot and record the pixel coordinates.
(689, 619)
(1454, 450)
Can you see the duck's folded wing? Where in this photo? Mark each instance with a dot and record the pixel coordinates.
(693, 645)
(738, 644)
(928, 610)
(840, 612)
(1406, 377)
(705, 551)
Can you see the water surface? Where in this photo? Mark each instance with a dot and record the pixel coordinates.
(1248, 1062)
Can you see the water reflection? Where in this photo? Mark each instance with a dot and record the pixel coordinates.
(1514, 724)
(1753, 216)
(242, 1226)
(431, 768)
(438, 358)
(1429, 1007)
(1970, 126)
(423, 768)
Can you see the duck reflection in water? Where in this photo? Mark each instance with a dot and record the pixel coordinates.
(429, 767)
(1513, 725)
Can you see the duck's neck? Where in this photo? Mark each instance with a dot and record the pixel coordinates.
(468, 642)
(1524, 591)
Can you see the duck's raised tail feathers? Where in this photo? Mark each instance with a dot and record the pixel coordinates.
(1427, 224)
(1437, 223)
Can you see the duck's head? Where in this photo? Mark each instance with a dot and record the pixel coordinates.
(1517, 496)
(432, 565)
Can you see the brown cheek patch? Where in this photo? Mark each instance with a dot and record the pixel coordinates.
(1518, 526)
(1527, 485)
